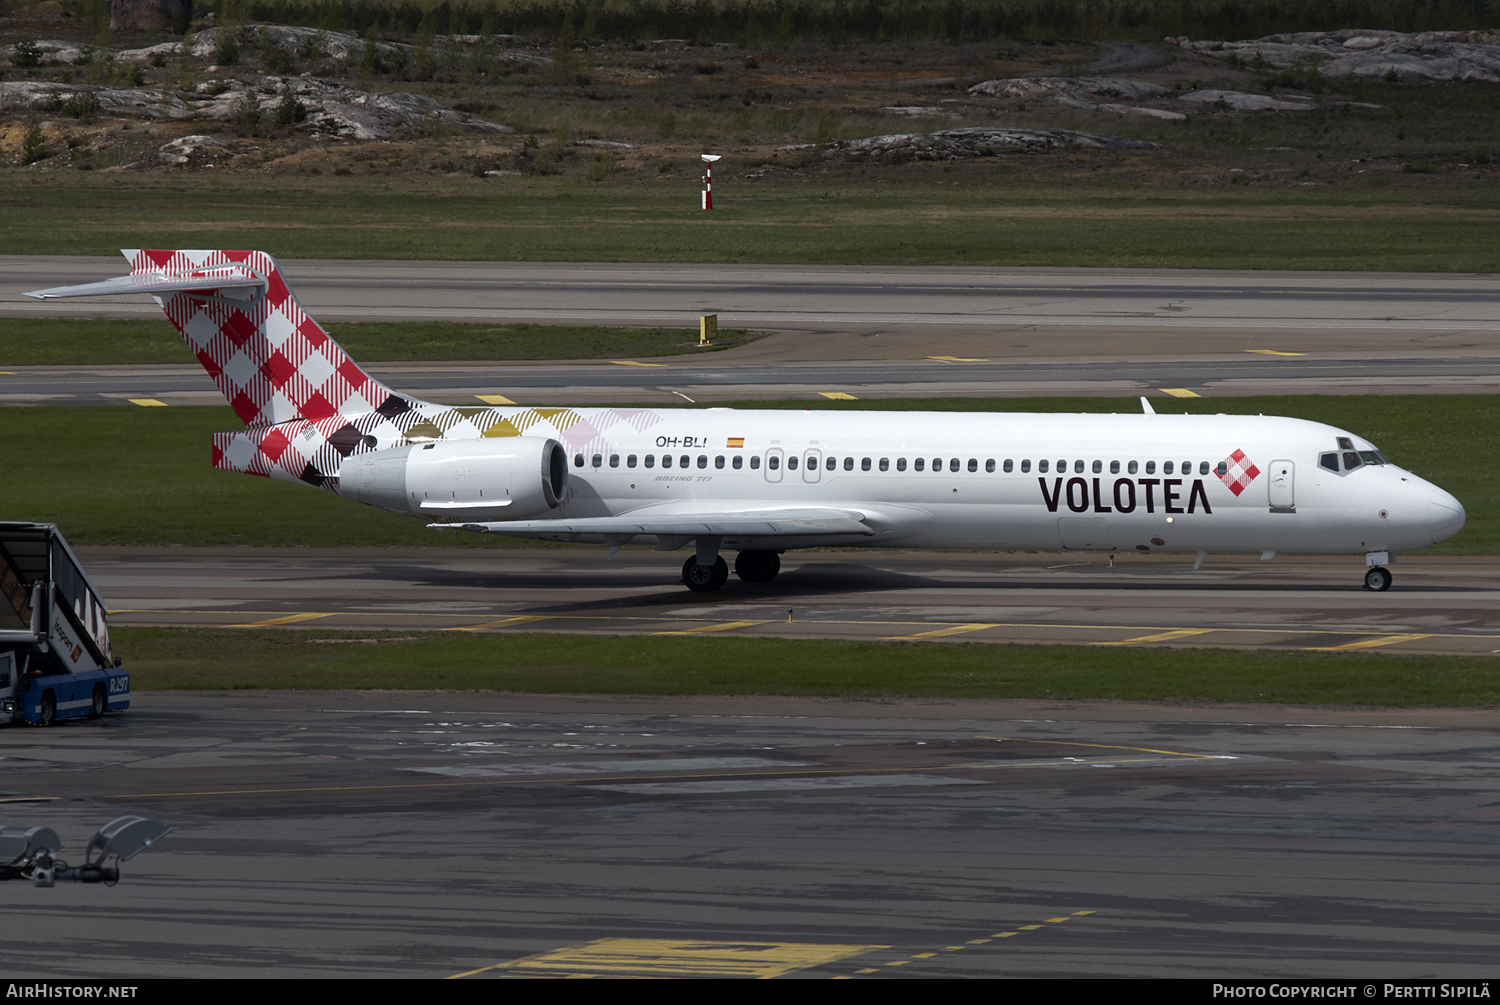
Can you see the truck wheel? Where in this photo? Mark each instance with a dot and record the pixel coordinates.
(48, 711)
(97, 709)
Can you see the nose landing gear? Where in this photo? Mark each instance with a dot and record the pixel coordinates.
(1378, 579)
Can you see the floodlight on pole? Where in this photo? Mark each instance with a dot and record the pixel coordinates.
(708, 179)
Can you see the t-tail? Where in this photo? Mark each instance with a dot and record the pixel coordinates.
(305, 404)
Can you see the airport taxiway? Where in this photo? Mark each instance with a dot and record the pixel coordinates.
(371, 834)
(1442, 605)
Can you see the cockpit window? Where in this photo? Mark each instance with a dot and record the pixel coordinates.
(1329, 461)
(1351, 460)
(1371, 457)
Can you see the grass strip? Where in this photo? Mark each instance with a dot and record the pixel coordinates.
(163, 659)
(87, 342)
(142, 476)
(994, 218)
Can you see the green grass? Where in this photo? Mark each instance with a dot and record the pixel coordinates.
(73, 341)
(142, 476)
(984, 215)
(191, 658)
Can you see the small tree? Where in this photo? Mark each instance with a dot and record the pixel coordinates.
(25, 55)
(34, 147)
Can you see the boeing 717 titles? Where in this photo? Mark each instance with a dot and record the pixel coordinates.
(760, 482)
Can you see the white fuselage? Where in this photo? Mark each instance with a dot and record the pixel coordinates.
(1014, 480)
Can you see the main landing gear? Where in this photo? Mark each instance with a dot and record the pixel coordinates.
(750, 566)
(1378, 578)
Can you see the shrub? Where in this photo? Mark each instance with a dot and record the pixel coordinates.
(289, 110)
(34, 147)
(26, 55)
(227, 51)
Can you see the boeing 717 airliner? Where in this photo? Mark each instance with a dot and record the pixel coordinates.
(760, 482)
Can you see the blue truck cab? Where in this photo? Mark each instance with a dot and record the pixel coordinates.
(55, 657)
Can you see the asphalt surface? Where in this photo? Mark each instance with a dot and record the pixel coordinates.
(916, 332)
(720, 380)
(495, 836)
(1443, 605)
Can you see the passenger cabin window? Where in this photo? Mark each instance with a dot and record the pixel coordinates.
(937, 464)
(630, 461)
(1222, 469)
(1010, 466)
(1203, 467)
(791, 463)
(1132, 468)
(684, 461)
(901, 464)
(650, 460)
(738, 462)
(1114, 467)
(666, 460)
(953, 464)
(578, 460)
(1166, 468)
(885, 464)
(754, 462)
(703, 460)
(1151, 468)
(614, 460)
(919, 464)
(864, 464)
(1041, 467)
(989, 466)
(719, 461)
(773, 462)
(598, 460)
(1026, 466)
(1098, 467)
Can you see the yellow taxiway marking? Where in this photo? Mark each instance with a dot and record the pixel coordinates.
(1180, 633)
(1004, 935)
(1080, 914)
(1099, 746)
(1027, 928)
(838, 395)
(494, 399)
(631, 362)
(1053, 921)
(1180, 392)
(290, 619)
(726, 626)
(1384, 640)
(147, 402)
(958, 359)
(940, 632)
(1275, 352)
(519, 619)
(678, 958)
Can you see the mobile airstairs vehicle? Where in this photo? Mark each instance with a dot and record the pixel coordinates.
(55, 658)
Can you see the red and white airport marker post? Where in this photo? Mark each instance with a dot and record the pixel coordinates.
(708, 179)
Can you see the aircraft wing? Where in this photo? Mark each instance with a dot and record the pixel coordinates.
(815, 522)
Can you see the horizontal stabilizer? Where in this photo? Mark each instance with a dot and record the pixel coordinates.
(763, 523)
(158, 283)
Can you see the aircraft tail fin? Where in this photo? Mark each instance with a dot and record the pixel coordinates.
(272, 362)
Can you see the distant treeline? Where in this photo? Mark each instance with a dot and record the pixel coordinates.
(764, 23)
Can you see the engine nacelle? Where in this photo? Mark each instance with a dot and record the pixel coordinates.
(506, 478)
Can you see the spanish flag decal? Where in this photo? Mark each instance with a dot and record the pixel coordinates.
(735, 441)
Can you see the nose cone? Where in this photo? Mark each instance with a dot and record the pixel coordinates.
(1445, 515)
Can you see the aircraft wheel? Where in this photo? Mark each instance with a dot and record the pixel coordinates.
(704, 578)
(48, 712)
(1378, 579)
(757, 566)
(96, 710)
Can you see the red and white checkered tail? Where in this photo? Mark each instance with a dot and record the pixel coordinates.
(271, 361)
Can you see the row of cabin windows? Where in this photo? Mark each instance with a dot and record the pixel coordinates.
(833, 463)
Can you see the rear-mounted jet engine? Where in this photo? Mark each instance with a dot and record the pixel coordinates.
(497, 479)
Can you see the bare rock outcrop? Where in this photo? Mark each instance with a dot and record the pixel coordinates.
(1085, 90)
(1434, 56)
(1242, 101)
(982, 141)
(327, 106)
